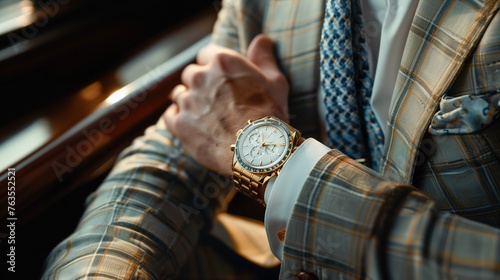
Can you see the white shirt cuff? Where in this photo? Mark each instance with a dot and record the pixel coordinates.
(283, 191)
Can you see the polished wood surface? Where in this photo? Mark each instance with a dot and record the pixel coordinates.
(85, 131)
(81, 91)
(52, 48)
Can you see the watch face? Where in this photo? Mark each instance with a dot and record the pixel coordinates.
(263, 145)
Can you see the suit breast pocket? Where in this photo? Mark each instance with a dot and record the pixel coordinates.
(465, 114)
(461, 172)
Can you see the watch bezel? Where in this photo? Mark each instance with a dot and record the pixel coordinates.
(277, 164)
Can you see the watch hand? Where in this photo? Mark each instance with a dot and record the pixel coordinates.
(275, 144)
(261, 139)
(263, 144)
(268, 136)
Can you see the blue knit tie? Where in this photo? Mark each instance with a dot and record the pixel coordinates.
(350, 122)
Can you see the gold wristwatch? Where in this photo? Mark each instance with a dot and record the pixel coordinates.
(260, 151)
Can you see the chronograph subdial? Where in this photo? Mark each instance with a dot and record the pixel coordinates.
(255, 138)
(257, 152)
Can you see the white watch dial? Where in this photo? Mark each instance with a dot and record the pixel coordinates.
(263, 145)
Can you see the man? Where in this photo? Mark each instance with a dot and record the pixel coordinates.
(429, 207)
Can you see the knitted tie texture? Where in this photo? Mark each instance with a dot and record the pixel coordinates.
(351, 124)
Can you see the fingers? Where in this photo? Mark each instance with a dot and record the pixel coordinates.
(224, 60)
(177, 91)
(206, 54)
(180, 99)
(217, 65)
(222, 65)
(170, 118)
(261, 53)
(194, 75)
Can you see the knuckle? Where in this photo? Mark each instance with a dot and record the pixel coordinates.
(185, 100)
(278, 77)
(280, 81)
(198, 78)
(193, 75)
(224, 60)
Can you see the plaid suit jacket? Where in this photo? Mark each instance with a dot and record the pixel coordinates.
(432, 213)
(402, 223)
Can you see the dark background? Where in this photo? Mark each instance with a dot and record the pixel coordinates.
(82, 41)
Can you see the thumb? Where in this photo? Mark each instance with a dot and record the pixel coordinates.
(261, 53)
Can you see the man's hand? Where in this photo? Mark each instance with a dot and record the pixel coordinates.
(224, 90)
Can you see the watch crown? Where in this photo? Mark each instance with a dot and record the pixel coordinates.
(233, 146)
(249, 121)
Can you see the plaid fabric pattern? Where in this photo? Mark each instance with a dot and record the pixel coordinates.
(295, 26)
(145, 220)
(347, 84)
(352, 223)
(349, 222)
(434, 66)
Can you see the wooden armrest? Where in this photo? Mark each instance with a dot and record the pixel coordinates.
(89, 146)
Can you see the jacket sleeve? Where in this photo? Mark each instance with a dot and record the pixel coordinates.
(145, 218)
(351, 223)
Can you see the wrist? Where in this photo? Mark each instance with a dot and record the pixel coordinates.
(260, 151)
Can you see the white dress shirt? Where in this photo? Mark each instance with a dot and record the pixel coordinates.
(387, 24)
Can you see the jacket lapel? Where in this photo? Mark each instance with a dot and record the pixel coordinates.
(442, 36)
